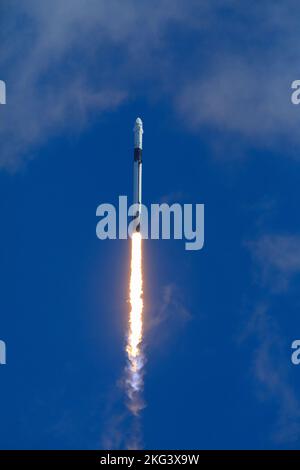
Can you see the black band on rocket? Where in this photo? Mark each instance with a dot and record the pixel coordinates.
(137, 155)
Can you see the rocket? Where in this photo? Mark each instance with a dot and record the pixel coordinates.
(137, 170)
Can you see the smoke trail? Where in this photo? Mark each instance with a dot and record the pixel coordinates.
(134, 371)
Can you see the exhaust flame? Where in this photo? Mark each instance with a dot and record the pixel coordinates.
(135, 334)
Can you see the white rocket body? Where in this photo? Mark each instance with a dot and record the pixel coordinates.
(137, 169)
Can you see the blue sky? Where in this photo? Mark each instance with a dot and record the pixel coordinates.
(211, 81)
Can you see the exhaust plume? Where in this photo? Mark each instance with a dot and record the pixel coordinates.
(134, 375)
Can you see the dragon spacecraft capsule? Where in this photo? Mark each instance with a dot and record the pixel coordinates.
(137, 170)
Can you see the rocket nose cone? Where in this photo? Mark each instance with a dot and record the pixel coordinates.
(138, 126)
(138, 122)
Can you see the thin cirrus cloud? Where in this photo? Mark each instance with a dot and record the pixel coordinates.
(64, 61)
(278, 258)
(269, 368)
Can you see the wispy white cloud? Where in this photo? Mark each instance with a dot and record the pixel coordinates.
(270, 370)
(65, 60)
(242, 88)
(278, 259)
(170, 308)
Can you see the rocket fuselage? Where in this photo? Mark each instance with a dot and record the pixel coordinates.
(137, 169)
